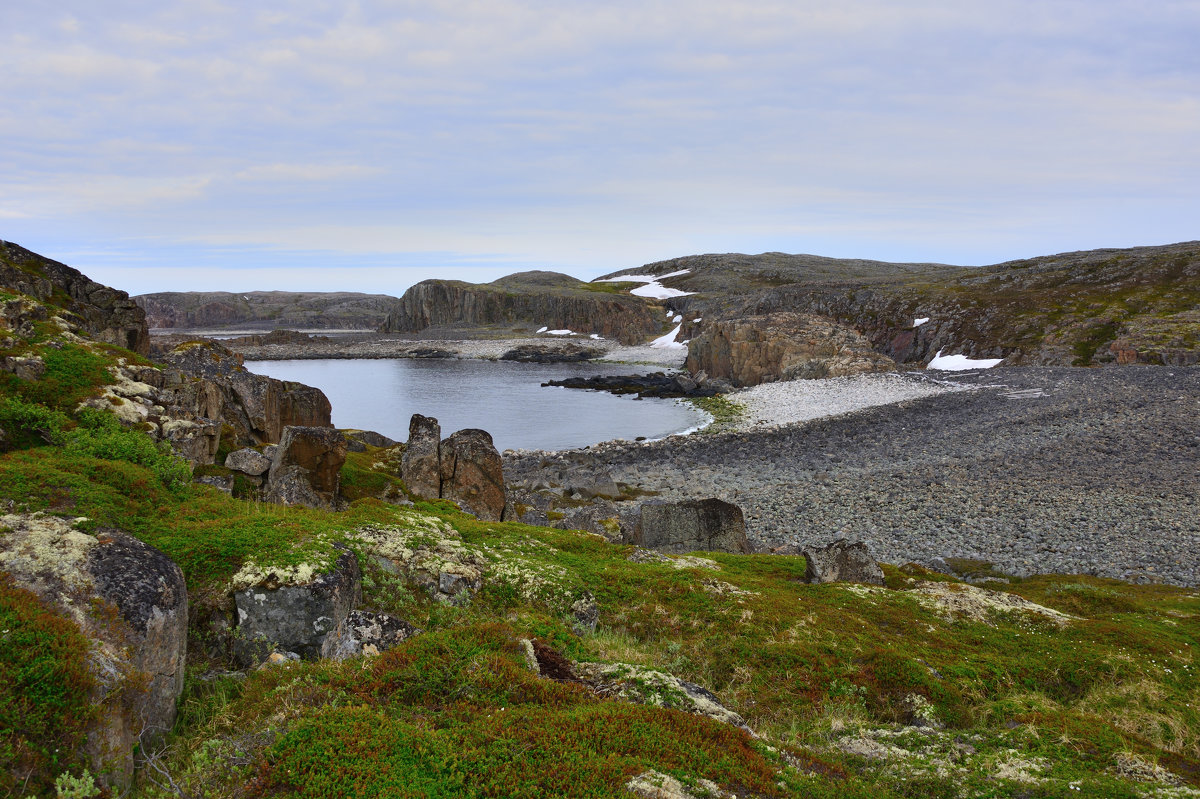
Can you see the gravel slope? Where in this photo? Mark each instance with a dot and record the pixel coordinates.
(1037, 470)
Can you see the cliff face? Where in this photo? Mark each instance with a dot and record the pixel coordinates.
(213, 310)
(528, 299)
(106, 314)
(1137, 305)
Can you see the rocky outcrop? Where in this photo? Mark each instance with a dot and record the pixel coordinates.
(530, 300)
(841, 562)
(465, 468)
(473, 474)
(428, 553)
(568, 352)
(306, 467)
(420, 466)
(265, 310)
(656, 384)
(104, 313)
(711, 525)
(782, 346)
(294, 610)
(650, 687)
(257, 408)
(131, 601)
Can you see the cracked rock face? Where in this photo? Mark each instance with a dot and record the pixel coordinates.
(710, 525)
(842, 561)
(279, 612)
(305, 468)
(144, 638)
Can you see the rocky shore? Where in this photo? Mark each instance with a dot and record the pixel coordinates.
(1035, 470)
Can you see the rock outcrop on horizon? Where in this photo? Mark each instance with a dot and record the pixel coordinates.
(107, 314)
(782, 346)
(265, 310)
(1093, 307)
(525, 302)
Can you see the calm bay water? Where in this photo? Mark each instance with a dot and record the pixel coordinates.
(506, 399)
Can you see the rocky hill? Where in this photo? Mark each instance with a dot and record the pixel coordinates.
(523, 303)
(161, 636)
(1139, 305)
(265, 310)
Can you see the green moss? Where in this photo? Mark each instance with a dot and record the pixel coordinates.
(45, 692)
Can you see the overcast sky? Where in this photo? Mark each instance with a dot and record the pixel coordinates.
(365, 146)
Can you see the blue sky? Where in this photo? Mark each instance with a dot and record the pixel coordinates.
(366, 146)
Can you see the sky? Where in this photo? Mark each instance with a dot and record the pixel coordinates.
(364, 146)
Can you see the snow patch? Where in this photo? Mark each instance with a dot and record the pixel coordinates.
(654, 289)
(957, 363)
(678, 318)
(668, 341)
(542, 329)
(696, 321)
(921, 321)
(560, 332)
(596, 336)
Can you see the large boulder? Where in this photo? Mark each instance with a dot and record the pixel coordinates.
(841, 561)
(706, 524)
(782, 346)
(473, 473)
(131, 601)
(294, 609)
(420, 466)
(306, 466)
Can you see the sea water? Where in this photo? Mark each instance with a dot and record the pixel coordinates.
(502, 397)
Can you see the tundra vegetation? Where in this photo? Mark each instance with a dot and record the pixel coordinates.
(1050, 686)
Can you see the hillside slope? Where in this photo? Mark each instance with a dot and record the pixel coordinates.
(1139, 305)
(265, 310)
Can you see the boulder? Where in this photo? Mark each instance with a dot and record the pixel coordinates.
(306, 467)
(473, 474)
(367, 632)
(420, 466)
(590, 483)
(248, 461)
(131, 601)
(428, 553)
(294, 610)
(645, 686)
(706, 524)
(782, 346)
(842, 562)
(369, 437)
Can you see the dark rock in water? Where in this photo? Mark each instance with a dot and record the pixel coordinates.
(306, 618)
(707, 524)
(306, 467)
(430, 352)
(473, 474)
(546, 353)
(367, 632)
(420, 467)
(658, 384)
(842, 562)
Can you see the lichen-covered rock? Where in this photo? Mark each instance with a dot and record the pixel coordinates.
(782, 346)
(711, 525)
(295, 609)
(842, 561)
(248, 461)
(420, 467)
(473, 473)
(141, 643)
(585, 614)
(650, 687)
(428, 553)
(306, 467)
(656, 785)
(369, 633)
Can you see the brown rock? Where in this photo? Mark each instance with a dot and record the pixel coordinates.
(782, 346)
(305, 468)
(420, 466)
(473, 474)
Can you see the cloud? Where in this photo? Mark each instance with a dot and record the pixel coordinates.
(602, 134)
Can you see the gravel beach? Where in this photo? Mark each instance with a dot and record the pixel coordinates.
(1035, 469)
